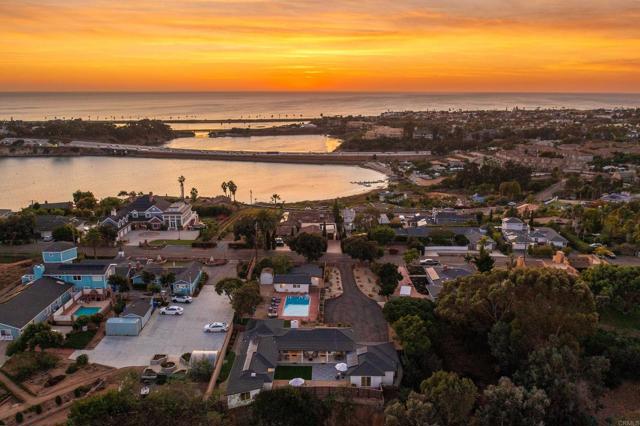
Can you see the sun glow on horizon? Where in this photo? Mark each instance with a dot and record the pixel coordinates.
(406, 45)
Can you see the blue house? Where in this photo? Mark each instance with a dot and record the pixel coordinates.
(84, 275)
(35, 303)
(60, 252)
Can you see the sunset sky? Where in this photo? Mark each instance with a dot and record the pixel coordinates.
(332, 45)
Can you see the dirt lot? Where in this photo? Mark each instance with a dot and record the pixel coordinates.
(621, 403)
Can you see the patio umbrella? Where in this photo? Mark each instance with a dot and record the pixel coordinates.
(297, 382)
(342, 367)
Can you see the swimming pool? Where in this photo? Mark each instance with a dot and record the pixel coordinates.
(85, 311)
(296, 306)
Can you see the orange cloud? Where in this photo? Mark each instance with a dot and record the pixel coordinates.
(437, 45)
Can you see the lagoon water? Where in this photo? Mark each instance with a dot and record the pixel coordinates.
(55, 179)
(287, 143)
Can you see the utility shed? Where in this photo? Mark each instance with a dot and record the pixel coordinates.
(123, 326)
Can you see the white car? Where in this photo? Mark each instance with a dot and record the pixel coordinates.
(182, 299)
(429, 262)
(171, 310)
(216, 327)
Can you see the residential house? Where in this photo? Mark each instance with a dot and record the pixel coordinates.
(60, 252)
(623, 197)
(348, 217)
(33, 304)
(451, 217)
(186, 277)
(91, 276)
(544, 235)
(46, 224)
(267, 345)
(380, 132)
(151, 212)
(476, 236)
(309, 221)
(299, 280)
(438, 275)
(513, 224)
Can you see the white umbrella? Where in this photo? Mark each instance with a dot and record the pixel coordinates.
(297, 382)
(342, 367)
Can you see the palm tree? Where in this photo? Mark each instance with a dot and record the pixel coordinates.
(232, 189)
(93, 238)
(181, 180)
(224, 188)
(275, 198)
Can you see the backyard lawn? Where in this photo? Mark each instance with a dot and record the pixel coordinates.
(288, 372)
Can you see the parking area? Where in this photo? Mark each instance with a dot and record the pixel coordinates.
(167, 334)
(140, 236)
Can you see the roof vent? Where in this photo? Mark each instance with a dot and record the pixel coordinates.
(253, 374)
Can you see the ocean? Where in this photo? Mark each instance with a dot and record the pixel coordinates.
(265, 105)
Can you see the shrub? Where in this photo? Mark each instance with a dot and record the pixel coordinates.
(72, 368)
(80, 391)
(26, 364)
(82, 359)
(201, 371)
(58, 400)
(161, 379)
(52, 381)
(38, 409)
(19, 417)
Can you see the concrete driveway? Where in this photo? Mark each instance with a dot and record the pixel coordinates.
(167, 334)
(139, 236)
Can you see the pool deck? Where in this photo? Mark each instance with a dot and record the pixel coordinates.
(101, 304)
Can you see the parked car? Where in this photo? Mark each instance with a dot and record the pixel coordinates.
(182, 299)
(429, 262)
(171, 310)
(216, 327)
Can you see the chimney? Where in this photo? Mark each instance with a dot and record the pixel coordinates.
(113, 211)
(38, 272)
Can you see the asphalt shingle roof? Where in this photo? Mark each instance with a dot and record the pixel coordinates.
(33, 299)
(87, 267)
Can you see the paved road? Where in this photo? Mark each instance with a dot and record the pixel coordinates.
(547, 193)
(356, 309)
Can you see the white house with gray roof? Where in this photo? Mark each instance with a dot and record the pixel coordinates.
(267, 345)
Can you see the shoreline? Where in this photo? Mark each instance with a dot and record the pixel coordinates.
(37, 148)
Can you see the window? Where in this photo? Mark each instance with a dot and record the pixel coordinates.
(365, 381)
(77, 278)
(245, 396)
(296, 286)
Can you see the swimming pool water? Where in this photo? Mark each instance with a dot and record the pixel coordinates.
(85, 311)
(296, 306)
